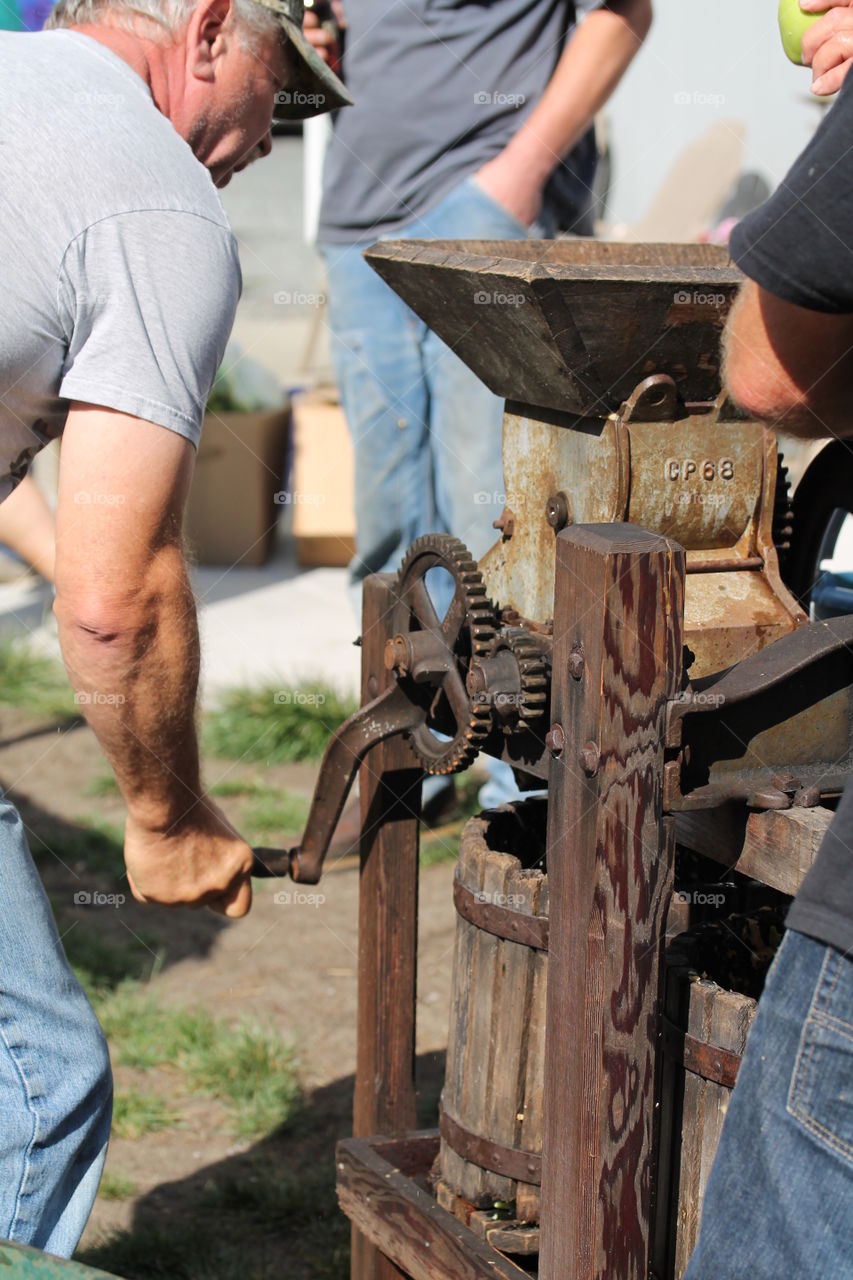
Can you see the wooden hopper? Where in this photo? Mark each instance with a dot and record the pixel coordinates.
(575, 324)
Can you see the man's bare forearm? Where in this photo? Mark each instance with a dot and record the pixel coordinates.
(134, 665)
(592, 64)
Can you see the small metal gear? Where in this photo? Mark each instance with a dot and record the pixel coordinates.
(533, 672)
(468, 630)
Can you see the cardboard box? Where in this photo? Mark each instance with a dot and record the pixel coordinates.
(235, 499)
(321, 491)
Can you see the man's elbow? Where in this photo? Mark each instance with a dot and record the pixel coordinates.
(638, 14)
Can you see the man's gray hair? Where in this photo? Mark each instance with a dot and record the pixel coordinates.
(253, 21)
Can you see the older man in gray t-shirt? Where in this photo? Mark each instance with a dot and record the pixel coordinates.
(120, 279)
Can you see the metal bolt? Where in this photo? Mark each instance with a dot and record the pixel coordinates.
(372, 686)
(576, 662)
(589, 757)
(396, 655)
(555, 739)
(475, 681)
(558, 511)
(505, 523)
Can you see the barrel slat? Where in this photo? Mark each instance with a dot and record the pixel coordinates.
(478, 1185)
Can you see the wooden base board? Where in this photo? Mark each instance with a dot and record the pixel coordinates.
(382, 1188)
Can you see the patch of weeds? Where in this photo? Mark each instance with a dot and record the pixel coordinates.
(30, 680)
(267, 1195)
(137, 1112)
(269, 818)
(115, 1187)
(251, 1070)
(276, 723)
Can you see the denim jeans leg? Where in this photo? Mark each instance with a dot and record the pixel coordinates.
(376, 352)
(779, 1200)
(55, 1081)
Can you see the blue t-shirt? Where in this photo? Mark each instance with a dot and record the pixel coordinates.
(440, 87)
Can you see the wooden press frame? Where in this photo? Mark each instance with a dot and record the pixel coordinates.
(619, 599)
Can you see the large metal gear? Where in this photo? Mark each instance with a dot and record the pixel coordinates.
(432, 655)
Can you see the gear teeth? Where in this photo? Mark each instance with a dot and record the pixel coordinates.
(532, 670)
(451, 554)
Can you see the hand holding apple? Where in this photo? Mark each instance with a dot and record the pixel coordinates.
(819, 34)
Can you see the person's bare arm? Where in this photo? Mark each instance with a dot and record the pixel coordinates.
(592, 64)
(28, 527)
(127, 627)
(789, 366)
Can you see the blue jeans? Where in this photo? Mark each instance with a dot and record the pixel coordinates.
(55, 1082)
(779, 1200)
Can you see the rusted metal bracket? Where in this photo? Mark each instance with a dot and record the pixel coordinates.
(786, 708)
(509, 1162)
(503, 922)
(709, 1061)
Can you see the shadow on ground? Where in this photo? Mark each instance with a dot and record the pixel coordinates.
(267, 1213)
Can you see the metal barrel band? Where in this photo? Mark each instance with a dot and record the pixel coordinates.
(709, 1061)
(503, 922)
(510, 1162)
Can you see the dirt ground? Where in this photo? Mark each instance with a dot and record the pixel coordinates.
(288, 965)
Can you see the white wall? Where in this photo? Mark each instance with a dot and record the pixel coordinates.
(725, 57)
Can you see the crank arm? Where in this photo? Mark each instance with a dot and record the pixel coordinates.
(389, 714)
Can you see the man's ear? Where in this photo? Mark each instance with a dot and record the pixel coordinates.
(205, 42)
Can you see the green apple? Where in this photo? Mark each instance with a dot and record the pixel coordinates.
(793, 24)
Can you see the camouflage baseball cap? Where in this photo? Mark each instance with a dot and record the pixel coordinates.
(314, 87)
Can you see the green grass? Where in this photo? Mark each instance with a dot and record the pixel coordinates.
(115, 1187)
(137, 1112)
(244, 787)
(251, 1070)
(276, 723)
(29, 680)
(269, 818)
(98, 846)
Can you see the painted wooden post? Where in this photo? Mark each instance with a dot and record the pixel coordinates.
(390, 788)
(619, 603)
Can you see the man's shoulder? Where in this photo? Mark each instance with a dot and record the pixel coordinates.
(87, 115)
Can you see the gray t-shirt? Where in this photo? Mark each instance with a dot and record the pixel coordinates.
(119, 271)
(440, 87)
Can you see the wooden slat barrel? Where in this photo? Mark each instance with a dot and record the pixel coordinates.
(714, 975)
(491, 1111)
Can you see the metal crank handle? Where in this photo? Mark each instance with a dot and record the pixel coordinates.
(269, 863)
(389, 714)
